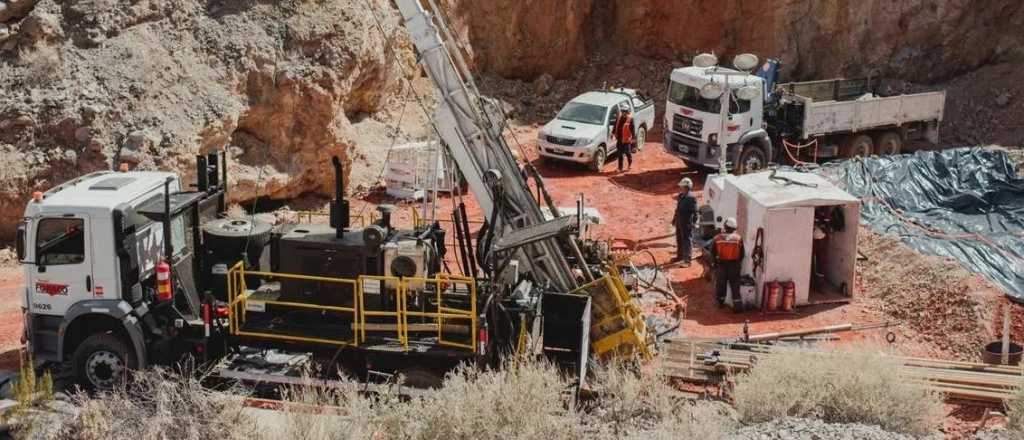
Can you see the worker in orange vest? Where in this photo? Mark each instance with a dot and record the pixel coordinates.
(623, 131)
(727, 250)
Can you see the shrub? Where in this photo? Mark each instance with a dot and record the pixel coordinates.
(31, 392)
(838, 387)
(1015, 414)
(162, 405)
(43, 63)
(522, 400)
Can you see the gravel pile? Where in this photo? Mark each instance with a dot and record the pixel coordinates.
(810, 429)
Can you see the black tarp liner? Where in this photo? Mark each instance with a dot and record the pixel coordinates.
(966, 203)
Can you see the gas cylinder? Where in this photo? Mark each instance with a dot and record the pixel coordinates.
(788, 296)
(774, 289)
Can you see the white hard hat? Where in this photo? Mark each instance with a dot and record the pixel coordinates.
(730, 222)
(686, 183)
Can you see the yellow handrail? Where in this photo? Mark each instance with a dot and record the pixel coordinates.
(402, 288)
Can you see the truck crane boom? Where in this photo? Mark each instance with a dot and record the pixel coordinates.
(471, 126)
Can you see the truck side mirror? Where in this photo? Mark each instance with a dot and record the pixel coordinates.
(19, 244)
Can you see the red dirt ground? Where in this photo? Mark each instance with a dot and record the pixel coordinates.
(636, 207)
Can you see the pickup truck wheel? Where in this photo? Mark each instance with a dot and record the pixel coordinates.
(752, 158)
(599, 158)
(888, 143)
(641, 138)
(102, 361)
(859, 145)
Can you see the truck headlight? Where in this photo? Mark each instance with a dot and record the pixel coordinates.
(541, 135)
(583, 142)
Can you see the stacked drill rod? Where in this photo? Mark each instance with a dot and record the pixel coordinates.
(715, 361)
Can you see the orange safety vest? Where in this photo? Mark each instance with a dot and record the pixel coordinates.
(623, 130)
(729, 247)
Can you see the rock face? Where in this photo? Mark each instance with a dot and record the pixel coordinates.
(918, 40)
(283, 85)
(154, 82)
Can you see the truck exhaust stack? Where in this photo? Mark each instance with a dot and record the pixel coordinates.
(339, 206)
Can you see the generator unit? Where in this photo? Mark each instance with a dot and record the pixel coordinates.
(409, 258)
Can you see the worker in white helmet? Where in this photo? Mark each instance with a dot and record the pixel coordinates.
(683, 220)
(727, 250)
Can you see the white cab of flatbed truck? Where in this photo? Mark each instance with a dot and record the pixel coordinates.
(692, 123)
(68, 243)
(582, 130)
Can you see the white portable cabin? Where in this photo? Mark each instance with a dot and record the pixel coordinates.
(783, 206)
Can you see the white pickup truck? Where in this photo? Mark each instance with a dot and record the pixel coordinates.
(582, 130)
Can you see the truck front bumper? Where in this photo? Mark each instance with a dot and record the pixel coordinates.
(566, 153)
(692, 150)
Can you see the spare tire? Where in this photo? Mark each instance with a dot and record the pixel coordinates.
(228, 239)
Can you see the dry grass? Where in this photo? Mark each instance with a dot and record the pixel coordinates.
(1017, 159)
(158, 404)
(43, 63)
(524, 400)
(31, 391)
(838, 387)
(1015, 415)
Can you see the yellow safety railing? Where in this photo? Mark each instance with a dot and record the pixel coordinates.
(453, 285)
(446, 287)
(238, 299)
(382, 283)
(356, 220)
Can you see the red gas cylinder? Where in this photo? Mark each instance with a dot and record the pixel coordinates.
(788, 296)
(772, 300)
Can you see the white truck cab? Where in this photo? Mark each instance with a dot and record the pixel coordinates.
(582, 130)
(90, 256)
(692, 123)
(68, 237)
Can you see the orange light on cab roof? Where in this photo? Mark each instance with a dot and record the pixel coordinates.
(37, 196)
(123, 168)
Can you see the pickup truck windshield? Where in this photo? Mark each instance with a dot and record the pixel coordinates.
(686, 96)
(582, 113)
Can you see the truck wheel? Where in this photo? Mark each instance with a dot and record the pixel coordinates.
(102, 361)
(888, 143)
(599, 158)
(641, 138)
(752, 158)
(859, 145)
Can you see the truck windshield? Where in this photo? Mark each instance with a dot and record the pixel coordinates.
(582, 113)
(687, 96)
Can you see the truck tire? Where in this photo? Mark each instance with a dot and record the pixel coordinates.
(888, 143)
(752, 158)
(102, 361)
(600, 156)
(858, 145)
(641, 138)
